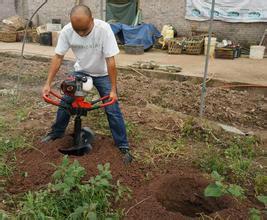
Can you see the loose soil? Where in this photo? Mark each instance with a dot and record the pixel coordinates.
(170, 190)
(173, 193)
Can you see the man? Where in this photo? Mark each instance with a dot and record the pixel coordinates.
(94, 45)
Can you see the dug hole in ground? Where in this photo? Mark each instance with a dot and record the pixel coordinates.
(174, 150)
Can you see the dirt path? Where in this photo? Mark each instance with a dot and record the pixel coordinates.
(239, 70)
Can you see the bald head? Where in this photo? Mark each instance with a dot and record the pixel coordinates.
(81, 9)
(81, 19)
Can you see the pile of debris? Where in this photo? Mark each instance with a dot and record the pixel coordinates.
(152, 65)
(12, 30)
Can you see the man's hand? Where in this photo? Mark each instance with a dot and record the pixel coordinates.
(113, 95)
(55, 65)
(46, 89)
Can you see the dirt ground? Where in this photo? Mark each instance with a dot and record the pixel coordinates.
(173, 189)
(172, 193)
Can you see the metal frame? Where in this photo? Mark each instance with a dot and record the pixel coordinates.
(204, 90)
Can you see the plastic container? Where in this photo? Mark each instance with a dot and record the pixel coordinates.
(88, 86)
(257, 52)
(46, 39)
(167, 32)
(212, 45)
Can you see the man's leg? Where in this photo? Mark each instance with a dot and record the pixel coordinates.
(114, 115)
(115, 118)
(61, 123)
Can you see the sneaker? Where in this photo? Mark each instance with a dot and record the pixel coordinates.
(50, 137)
(127, 157)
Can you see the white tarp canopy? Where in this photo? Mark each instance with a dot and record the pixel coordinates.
(228, 10)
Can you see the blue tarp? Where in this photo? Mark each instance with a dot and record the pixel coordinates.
(144, 34)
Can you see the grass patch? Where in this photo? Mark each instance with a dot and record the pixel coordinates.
(133, 131)
(22, 114)
(235, 161)
(8, 145)
(159, 150)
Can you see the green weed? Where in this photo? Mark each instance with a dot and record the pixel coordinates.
(254, 214)
(133, 131)
(260, 184)
(8, 145)
(194, 130)
(4, 126)
(22, 114)
(160, 151)
(219, 188)
(235, 161)
(67, 198)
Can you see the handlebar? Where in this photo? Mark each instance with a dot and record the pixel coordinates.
(78, 103)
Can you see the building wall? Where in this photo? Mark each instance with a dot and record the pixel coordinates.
(158, 12)
(7, 8)
(162, 12)
(58, 9)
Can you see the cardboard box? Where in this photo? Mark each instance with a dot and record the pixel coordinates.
(53, 27)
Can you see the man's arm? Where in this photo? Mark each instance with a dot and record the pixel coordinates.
(54, 68)
(112, 71)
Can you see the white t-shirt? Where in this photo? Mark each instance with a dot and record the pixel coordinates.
(90, 51)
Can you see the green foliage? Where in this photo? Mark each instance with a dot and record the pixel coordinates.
(22, 114)
(235, 161)
(3, 216)
(67, 198)
(133, 131)
(254, 214)
(212, 159)
(3, 125)
(263, 199)
(8, 145)
(239, 157)
(219, 188)
(193, 130)
(260, 184)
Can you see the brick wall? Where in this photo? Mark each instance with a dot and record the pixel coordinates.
(158, 12)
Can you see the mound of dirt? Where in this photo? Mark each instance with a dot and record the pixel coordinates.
(34, 167)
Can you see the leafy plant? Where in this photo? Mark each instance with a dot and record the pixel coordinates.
(3, 216)
(263, 199)
(212, 159)
(254, 214)
(67, 198)
(219, 188)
